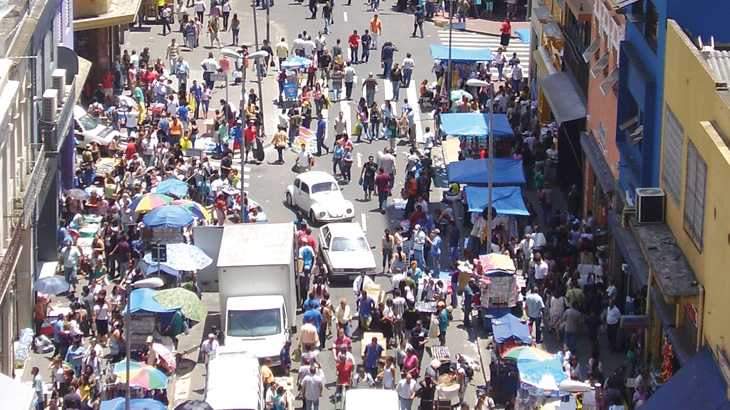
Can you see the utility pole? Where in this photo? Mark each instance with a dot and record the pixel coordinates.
(268, 23)
(257, 61)
(447, 79)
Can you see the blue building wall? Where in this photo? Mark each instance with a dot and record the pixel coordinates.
(641, 79)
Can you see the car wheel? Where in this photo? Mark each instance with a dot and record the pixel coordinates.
(289, 201)
(312, 218)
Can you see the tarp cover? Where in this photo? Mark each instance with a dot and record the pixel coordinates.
(16, 396)
(697, 381)
(475, 124)
(464, 55)
(510, 327)
(506, 200)
(476, 171)
(561, 92)
(141, 299)
(524, 35)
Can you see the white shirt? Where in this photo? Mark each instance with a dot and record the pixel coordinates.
(612, 315)
(539, 239)
(387, 162)
(407, 63)
(541, 270)
(526, 247)
(308, 46)
(364, 280)
(304, 158)
(312, 383)
(349, 74)
(419, 238)
(362, 382)
(517, 72)
(209, 348)
(200, 6)
(405, 390)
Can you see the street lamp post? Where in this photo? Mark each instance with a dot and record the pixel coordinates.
(447, 79)
(479, 83)
(145, 283)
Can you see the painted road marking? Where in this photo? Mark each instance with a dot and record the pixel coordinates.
(413, 102)
(344, 16)
(345, 108)
(364, 222)
(359, 160)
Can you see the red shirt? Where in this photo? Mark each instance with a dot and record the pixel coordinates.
(249, 133)
(310, 240)
(130, 151)
(506, 28)
(354, 40)
(107, 80)
(382, 181)
(344, 372)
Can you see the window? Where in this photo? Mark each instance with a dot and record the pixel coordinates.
(305, 188)
(694, 195)
(672, 144)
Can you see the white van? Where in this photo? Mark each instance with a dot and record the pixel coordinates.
(369, 399)
(88, 129)
(233, 382)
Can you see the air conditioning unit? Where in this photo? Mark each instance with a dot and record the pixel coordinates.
(50, 105)
(650, 205)
(59, 83)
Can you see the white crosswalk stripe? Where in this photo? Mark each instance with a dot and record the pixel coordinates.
(464, 39)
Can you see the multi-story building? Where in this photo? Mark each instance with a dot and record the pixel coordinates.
(688, 296)
(38, 90)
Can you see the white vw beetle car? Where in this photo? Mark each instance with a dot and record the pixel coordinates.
(318, 194)
(345, 250)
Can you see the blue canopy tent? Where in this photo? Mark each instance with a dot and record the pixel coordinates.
(475, 124)
(476, 171)
(510, 327)
(461, 55)
(141, 299)
(524, 35)
(506, 200)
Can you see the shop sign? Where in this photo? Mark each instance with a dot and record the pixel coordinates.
(634, 321)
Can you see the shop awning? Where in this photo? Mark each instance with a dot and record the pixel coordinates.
(630, 250)
(698, 382)
(510, 327)
(476, 171)
(16, 396)
(475, 124)
(506, 200)
(563, 95)
(119, 12)
(594, 155)
(463, 55)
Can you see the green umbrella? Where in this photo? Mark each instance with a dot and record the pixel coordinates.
(459, 94)
(183, 299)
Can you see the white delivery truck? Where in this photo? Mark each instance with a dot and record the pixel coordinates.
(233, 381)
(256, 286)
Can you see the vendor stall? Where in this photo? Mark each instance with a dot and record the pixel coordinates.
(476, 172)
(463, 60)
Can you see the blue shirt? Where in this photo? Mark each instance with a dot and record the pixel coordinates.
(237, 133)
(164, 125)
(285, 357)
(455, 237)
(310, 304)
(307, 258)
(183, 112)
(313, 314)
(63, 235)
(366, 306)
(388, 52)
(436, 247)
(72, 353)
(321, 127)
(372, 355)
(57, 329)
(196, 91)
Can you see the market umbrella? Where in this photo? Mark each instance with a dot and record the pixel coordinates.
(522, 353)
(294, 63)
(181, 256)
(76, 193)
(306, 137)
(51, 285)
(196, 209)
(544, 375)
(187, 301)
(165, 354)
(148, 202)
(194, 405)
(150, 268)
(170, 216)
(459, 94)
(121, 367)
(146, 377)
(172, 186)
(134, 404)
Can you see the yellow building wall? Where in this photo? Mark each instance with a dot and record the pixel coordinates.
(689, 90)
(90, 8)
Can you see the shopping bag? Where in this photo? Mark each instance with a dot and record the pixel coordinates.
(296, 354)
(433, 329)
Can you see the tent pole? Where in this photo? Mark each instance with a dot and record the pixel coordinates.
(447, 79)
(490, 142)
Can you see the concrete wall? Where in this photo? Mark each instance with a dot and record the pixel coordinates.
(704, 114)
(89, 8)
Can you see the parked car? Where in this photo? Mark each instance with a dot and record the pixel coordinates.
(317, 194)
(88, 129)
(345, 249)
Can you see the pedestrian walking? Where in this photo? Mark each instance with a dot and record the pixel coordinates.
(386, 56)
(407, 70)
(321, 133)
(613, 316)
(279, 143)
(313, 9)
(418, 18)
(214, 31)
(313, 385)
(235, 29)
(166, 18)
(226, 9)
(535, 307)
(406, 389)
(505, 34)
(396, 76)
(375, 30)
(354, 42)
(349, 80)
(200, 8)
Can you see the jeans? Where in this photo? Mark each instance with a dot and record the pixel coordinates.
(405, 404)
(376, 36)
(235, 35)
(383, 203)
(396, 90)
(454, 295)
(571, 339)
(280, 151)
(369, 96)
(418, 254)
(353, 54)
(500, 68)
(190, 40)
(461, 17)
(387, 64)
(327, 25)
(70, 275)
(407, 73)
(292, 134)
(346, 327)
(336, 90)
(311, 404)
(365, 54)
(436, 261)
(429, 10)
(166, 26)
(348, 90)
(173, 64)
(537, 324)
(417, 26)
(374, 129)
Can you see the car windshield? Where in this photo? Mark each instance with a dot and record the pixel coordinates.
(324, 187)
(88, 123)
(254, 323)
(349, 245)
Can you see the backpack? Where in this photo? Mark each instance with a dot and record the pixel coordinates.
(468, 371)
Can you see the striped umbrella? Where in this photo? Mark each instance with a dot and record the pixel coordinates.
(526, 353)
(148, 202)
(306, 137)
(146, 377)
(196, 209)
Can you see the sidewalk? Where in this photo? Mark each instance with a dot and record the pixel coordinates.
(488, 27)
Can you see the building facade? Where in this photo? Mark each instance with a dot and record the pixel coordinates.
(33, 135)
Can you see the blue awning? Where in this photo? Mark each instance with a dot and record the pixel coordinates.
(464, 55)
(506, 200)
(510, 327)
(630, 250)
(141, 299)
(698, 382)
(524, 35)
(476, 171)
(475, 123)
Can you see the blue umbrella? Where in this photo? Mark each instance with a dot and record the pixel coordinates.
(294, 63)
(172, 186)
(134, 404)
(51, 285)
(169, 216)
(142, 299)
